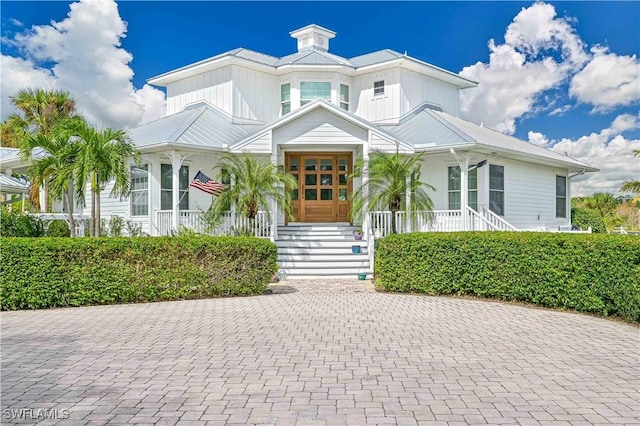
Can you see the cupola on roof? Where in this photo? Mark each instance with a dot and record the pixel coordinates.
(313, 37)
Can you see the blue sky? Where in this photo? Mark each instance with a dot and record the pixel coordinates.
(161, 36)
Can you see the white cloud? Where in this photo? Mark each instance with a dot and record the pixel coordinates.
(15, 22)
(609, 150)
(90, 64)
(18, 73)
(522, 69)
(607, 81)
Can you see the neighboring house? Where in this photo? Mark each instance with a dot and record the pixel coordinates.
(315, 113)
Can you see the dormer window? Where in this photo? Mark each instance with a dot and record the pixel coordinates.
(285, 98)
(312, 90)
(344, 97)
(378, 88)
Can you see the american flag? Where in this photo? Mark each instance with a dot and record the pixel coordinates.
(206, 184)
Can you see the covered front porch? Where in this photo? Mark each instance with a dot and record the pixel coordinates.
(377, 224)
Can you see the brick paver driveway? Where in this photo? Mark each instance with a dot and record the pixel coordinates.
(324, 353)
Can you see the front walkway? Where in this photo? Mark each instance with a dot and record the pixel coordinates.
(320, 353)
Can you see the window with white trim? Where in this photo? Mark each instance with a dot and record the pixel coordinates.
(455, 188)
(496, 189)
(344, 97)
(378, 87)
(561, 196)
(312, 90)
(139, 195)
(285, 98)
(166, 187)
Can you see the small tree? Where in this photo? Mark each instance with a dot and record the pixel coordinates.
(103, 157)
(254, 185)
(387, 186)
(54, 164)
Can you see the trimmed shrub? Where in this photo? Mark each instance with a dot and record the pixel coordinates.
(56, 272)
(585, 218)
(16, 224)
(58, 228)
(590, 273)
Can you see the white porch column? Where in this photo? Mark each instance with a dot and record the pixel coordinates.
(274, 205)
(365, 182)
(176, 162)
(463, 162)
(407, 195)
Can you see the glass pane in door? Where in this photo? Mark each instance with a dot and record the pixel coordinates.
(311, 164)
(326, 194)
(326, 180)
(311, 179)
(326, 165)
(311, 194)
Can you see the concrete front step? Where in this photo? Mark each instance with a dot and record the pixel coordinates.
(321, 250)
(319, 243)
(323, 257)
(349, 237)
(315, 263)
(321, 272)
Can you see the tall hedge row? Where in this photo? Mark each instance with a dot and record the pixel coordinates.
(590, 273)
(56, 272)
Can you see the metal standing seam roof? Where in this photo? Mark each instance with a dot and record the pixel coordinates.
(376, 57)
(11, 185)
(201, 125)
(421, 128)
(495, 139)
(7, 154)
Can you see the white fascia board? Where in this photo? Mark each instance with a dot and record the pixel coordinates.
(436, 72)
(513, 154)
(166, 145)
(421, 68)
(207, 65)
(287, 68)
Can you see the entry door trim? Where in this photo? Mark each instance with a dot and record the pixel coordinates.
(337, 210)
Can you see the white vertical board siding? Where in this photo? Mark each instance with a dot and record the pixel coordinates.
(418, 88)
(380, 107)
(200, 200)
(256, 95)
(434, 172)
(211, 86)
(530, 193)
(319, 129)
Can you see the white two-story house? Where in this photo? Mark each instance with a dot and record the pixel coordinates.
(315, 113)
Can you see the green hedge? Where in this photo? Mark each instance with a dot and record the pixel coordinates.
(590, 273)
(585, 218)
(55, 272)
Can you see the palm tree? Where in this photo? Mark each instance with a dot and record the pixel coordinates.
(56, 166)
(254, 185)
(103, 157)
(387, 185)
(39, 111)
(632, 185)
(603, 202)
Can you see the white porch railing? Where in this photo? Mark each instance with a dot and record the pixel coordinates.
(78, 220)
(436, 221)
(498, 223)
(231, 224)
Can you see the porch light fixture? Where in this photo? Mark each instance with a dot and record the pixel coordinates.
(477, 165)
